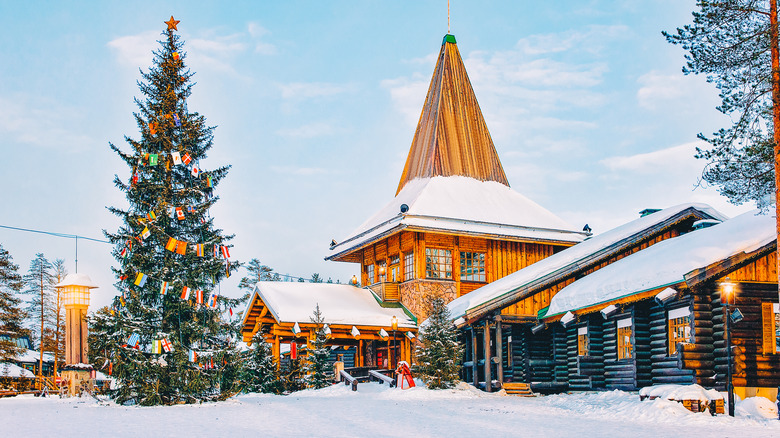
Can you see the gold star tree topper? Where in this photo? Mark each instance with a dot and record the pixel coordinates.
(172, 23)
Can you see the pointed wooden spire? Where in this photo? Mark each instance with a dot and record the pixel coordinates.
(452, 137)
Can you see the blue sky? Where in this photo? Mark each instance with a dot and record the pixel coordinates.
(316, 104)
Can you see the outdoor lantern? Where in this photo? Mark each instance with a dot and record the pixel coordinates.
(75, 290)
(394, 322)
(354, 280)
(727, 291)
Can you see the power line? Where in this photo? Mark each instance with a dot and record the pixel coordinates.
(50, 233)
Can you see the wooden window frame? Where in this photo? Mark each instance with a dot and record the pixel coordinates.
(625, 341)
(472, 267)
(408, 266)
(677, 332)
(583, 342)
(438, 263)
(370, 273)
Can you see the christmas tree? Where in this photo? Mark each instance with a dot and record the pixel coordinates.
(164, 339)
(259, 373)
(439, 353)
(11, 313)
(318, 370)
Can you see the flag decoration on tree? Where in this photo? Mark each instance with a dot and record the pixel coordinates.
(171, 245)
(213, 301)
(152, 159)
(195, 171)
(163, 287)
(123, 254)
(186, 159)
(193, 356)
(181, 248)
(177, 122)
(179, 213)
(151, 216)
(175, 156)
(199, 250)
(199, 296)
(166, 345)
(225, 252)
(185, 293)
(156, 347)
(145, 233)
(133, 340)
(140, 279)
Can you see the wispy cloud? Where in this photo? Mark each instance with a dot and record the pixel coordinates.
(300, 171)
(662, 91)
(42, 123)
(591, 39)
(310, 90)
(678, 158)
(135, 50)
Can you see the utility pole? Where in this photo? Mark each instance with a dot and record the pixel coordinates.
(775, 50)
(40, 342)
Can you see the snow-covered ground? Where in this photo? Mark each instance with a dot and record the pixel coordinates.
(377, 411)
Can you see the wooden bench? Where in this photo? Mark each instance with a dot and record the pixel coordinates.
(518, 389)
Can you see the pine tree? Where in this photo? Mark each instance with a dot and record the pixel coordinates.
(439, 353)
(12, 315)
(315, 278)
(57, 323)
(293, 373)
(168, 238)
(257, 272)
(729, 43)
(39, 284)
(318, 369)
(259, 373)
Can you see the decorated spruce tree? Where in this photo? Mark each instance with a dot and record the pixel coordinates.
(165, 339)
(318, 369)
(439, 352)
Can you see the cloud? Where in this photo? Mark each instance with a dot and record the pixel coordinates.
(674, 159)
(43, 123)
(135, 50)
(311, 90)
(592, 39)
(256, 31)
(311, 130)
(663, 91)
(408, 95)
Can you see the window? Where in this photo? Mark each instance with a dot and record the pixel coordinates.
(583, 342)
(394, 273)
(472, 266)
(770, 318)
(438, 263)
(394, 260)
(624, 343)
(370, 273)
(408, 266)
(679, 328)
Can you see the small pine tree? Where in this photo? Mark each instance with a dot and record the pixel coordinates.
(315, 278)
(292, 374)
(259, 373)
(439, 352)
(318, 371)
(39, 284)
(12, 315)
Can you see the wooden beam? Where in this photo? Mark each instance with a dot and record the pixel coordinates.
(499, 351)
(488, 377)
(474, 370)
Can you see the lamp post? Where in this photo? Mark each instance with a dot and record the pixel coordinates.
(75, 289)
(382, 274)
(727, 293)
(394, 323)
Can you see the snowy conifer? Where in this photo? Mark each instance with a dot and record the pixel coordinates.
(11, 312)
(439, 353)
(171, 256)
(318, 369)
(259, 372)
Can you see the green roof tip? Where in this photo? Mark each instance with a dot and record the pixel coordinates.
(448, 39)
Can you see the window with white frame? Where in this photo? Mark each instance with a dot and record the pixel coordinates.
(438, 263)
(472, 266)
(625, 342)
(679, 328)
(583, 341)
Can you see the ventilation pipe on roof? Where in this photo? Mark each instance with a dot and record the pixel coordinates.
(647, 211)
(538, 328)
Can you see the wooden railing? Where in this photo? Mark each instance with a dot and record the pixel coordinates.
(387, 291)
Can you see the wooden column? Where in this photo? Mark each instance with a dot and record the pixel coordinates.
(488, 377)
(360, 353)
(277, 352)
(499, 351)
(474, 370)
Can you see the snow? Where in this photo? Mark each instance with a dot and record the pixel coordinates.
(15, 371)
(666, 263)
(568, 257)
(292, 302)
(30, 356)
(378, 411)
(758, 407)
(681, 392)
(74, 279)
(463, 204)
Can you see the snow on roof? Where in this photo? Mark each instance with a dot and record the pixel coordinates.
(459, 203)
(568, 257)
(291, 302)
(667, 262)
(14, 371)
(34, 356)
(77, 280)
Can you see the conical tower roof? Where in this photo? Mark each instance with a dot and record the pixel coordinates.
(452, 137)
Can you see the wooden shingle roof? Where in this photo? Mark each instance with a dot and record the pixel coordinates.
(452, 137)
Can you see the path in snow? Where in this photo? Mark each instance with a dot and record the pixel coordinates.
(377, 411)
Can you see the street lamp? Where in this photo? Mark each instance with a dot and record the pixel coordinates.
(394, 323)
(75, 289)
(354, 280)
(382, 273)
(727, 296)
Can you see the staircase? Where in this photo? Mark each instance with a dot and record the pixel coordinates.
(518, 389)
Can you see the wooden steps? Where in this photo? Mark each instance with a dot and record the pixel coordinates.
(518, 389)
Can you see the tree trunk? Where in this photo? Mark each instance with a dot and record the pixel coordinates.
(775, 113)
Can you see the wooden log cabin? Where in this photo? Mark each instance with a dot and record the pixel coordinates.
(356, 318)
(454, 224)
(658, 317)
(505, 313)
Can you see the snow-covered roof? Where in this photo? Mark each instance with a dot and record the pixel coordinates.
(77, 280)
(291, 302)
(460, 204)
(570, 257)
(667, 262)
(30, 356)
(14, 371)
